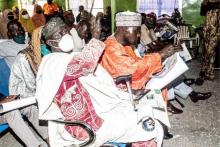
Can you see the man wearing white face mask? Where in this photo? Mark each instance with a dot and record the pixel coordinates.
(57, 36)
(26, 21)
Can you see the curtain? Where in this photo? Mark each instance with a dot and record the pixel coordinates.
(158, 6)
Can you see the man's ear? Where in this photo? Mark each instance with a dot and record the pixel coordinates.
(9, 35)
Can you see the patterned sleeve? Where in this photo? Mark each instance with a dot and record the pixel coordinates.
(86, 61)
(22, 79)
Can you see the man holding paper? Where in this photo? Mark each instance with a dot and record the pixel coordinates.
(22, 82)
(181, 89)
(119, 57)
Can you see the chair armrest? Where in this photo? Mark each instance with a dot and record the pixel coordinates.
(123, 78)
(142, 94)
(85, 126)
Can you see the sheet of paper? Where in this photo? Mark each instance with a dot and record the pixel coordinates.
(183, 90)
(156, 107)
(185, 53)
(174, 66)
(5, 107)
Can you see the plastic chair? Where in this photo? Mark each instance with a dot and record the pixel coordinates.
(184, 35)
(4, 78)
(3, 127)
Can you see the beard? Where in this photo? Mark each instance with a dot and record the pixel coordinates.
(129, 42)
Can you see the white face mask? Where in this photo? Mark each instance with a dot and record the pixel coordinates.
(66, 43)
(25, 16)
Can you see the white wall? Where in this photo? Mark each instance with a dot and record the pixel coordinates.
(27, 4)
(74, 5)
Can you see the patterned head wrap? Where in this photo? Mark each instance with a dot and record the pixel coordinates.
(52, 26)
(128, 19)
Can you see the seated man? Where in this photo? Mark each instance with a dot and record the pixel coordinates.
(10, 48)
(119, 58)
(67, 78)
(69, 18)
(151, 44)
(22, 82)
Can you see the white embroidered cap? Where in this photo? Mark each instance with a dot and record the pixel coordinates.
(128, 18)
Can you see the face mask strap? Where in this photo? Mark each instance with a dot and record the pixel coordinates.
(51, 40)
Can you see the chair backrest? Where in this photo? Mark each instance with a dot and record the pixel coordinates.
(183, 32)
(184, 35)
(4, 78)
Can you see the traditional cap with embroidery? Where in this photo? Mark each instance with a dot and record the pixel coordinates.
(128, 18)
(52, 26)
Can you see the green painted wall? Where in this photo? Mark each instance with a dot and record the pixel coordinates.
(60, 3)
(122, 5)
(5, 4)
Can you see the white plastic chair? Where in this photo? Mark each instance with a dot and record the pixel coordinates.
(184, 35)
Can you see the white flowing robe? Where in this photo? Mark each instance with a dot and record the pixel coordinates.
(112, 105)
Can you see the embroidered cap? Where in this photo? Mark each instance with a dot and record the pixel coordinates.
(128, 18)
(53, 25)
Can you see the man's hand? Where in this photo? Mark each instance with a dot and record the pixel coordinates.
(168, 51)
(178, 47)
(8, 98)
